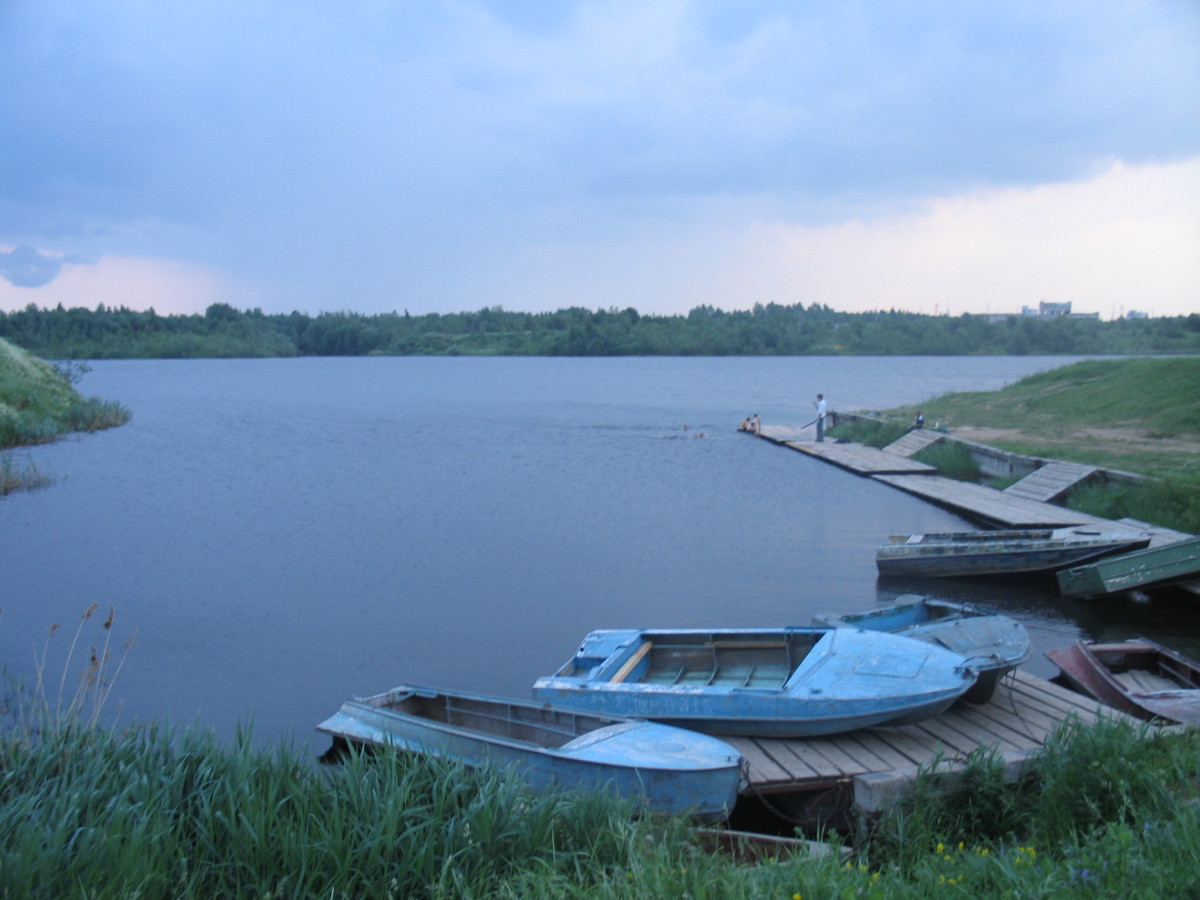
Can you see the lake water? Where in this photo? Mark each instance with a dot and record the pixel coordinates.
(283, 534)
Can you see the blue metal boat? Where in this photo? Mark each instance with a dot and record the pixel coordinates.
(667, 770)
(993, 644)
(778, 682)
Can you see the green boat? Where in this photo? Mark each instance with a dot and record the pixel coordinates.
(1152, 567)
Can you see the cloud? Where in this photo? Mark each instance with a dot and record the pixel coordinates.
(169, 286)
(28, 268)
(373, 155)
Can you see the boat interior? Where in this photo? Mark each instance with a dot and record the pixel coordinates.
(544, 727)
(1147, 671)
(746, 661)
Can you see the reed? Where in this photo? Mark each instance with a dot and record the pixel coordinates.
(161, 812)
(156, 811)
(1169, 502)
(871, 433)
(15, 476)
(950, 459)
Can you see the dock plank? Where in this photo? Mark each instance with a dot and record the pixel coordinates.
(914, 442)
(1021, 716)
(995, 507)
(1051, 481)
(861, 459)
(763, 767)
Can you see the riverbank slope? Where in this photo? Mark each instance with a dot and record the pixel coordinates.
(38, 404)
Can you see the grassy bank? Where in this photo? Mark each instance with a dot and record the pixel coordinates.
(1134, 415)
(155, 811)
(38, 404)
(161, 813)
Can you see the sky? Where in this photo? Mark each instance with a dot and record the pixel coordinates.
(371, 156)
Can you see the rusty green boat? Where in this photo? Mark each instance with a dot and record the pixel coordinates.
(1153, 567)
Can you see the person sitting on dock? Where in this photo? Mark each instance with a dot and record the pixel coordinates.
(919, 421)
(755, 424)
(745, 426)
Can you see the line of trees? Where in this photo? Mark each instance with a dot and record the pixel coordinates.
(770, 330)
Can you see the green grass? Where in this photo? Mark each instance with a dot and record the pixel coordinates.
(876, 433)
(1058, 413)
(950, 459)
(1133, 415)
(156, 811)
(1159, 396)
(39, 405)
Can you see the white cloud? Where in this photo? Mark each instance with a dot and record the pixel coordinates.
(169, 286)
(375, 155)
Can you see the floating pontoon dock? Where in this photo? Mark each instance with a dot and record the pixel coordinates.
(815, 778)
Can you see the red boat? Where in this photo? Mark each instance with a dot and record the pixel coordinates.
(1138, 677)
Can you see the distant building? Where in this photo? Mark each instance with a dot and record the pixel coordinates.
(1047, 310)
(1135, 314)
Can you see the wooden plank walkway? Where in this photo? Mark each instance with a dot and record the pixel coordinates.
(1051, 481)
(993, 507)
(860, 459)
(1022, 714)
(914, 442)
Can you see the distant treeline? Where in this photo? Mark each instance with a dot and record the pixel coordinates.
(771, 330)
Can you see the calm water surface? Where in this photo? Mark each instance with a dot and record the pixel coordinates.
(284, 534)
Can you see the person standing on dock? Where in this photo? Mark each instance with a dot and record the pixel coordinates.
(820, 405)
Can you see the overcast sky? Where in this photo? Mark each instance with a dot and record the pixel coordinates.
(378, 155)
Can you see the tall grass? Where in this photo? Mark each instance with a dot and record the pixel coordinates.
(1168, 502)
(878, 433)
(1111, 810)
(950, 459)
(15, 476)
(38, 403)
(155, 811)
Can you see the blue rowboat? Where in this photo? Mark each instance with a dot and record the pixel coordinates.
(779, 682)
(667, 770)
(993, 644)
(964, 553)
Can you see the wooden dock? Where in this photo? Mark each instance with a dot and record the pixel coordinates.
(873, 765)
(1024, 504)
(994, 508)
(858, 458)
(1051, 481)
(914, 442)
(818, 779)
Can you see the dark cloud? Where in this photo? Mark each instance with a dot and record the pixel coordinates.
(26, 267)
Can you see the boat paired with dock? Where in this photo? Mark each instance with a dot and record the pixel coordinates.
(992, 644)
(1166, 564)
(1138, 677)
(666, 770)
(1016, 551)
(778, 682)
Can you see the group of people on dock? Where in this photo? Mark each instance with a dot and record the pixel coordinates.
(753, 424)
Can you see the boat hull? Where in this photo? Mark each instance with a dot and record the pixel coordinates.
(969, 553)
(1140, 677)
(1153, 567)
(992, 644)
(791, 682)
(666, 770)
